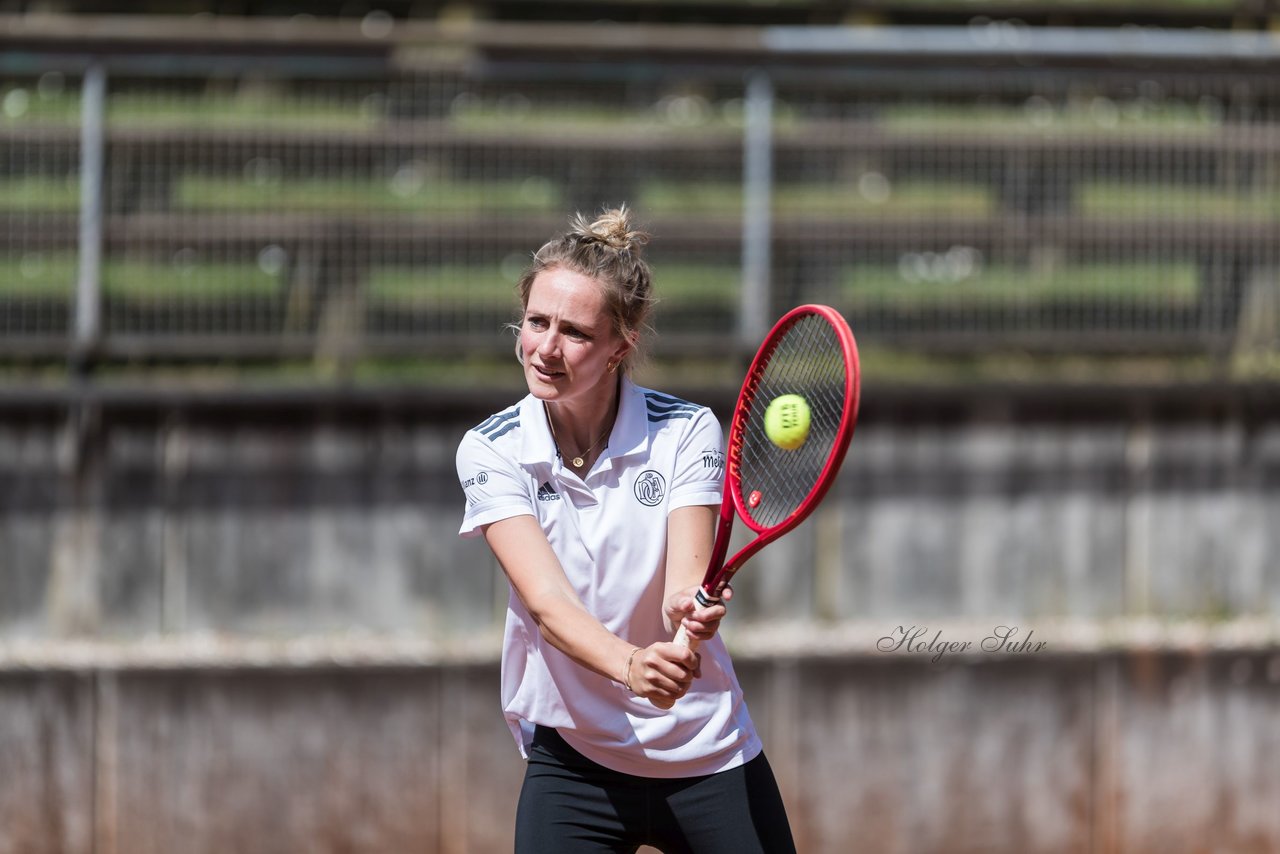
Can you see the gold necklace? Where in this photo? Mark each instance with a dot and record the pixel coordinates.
(579, 461)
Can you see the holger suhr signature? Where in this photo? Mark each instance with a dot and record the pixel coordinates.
(916, 639)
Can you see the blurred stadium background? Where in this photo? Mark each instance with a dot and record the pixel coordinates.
(254, 271)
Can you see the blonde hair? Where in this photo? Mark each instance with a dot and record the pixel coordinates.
(609, 251)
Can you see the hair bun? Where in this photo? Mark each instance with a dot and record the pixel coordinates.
(612, 228)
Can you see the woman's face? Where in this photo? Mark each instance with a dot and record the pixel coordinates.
(567, 339)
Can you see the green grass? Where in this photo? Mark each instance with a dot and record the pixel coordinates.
(492, 287)
(45, 275)
(37, 274)
(1040, 117)
(884, 365)
(141, 280)
(846, 199)
(444, 286)
(24, 105)
(680, 115)
(867, 286)
(40, 194)
(402, 193)
(451, 285)
(1129, 201)
(282, 109)
(412, 194)
(249, 111)
(677, 283)
(1033, 116)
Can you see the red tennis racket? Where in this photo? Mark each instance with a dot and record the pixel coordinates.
(811, 353)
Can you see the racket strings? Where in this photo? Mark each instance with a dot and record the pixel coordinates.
(807, 360)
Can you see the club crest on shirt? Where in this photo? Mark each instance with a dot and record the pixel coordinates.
(650, 488)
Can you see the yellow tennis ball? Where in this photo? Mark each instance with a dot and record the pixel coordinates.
(786, 421)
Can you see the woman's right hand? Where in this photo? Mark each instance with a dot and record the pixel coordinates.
(663, 671)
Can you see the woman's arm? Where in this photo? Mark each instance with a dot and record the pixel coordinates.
(690, 537)
(662, 670)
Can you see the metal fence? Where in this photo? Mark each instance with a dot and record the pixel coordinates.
(971, 189)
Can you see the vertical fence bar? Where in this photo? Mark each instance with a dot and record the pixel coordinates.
(88, 317)
(757, 201)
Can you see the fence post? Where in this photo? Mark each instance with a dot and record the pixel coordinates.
(757, 203)
(76, 598)
(88, 316)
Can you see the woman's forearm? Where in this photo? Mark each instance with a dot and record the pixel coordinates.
(567, 626)
(540, 583)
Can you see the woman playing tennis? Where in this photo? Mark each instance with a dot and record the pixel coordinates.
(598, 499)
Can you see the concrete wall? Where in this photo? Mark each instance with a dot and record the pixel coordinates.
(1161, 752)
(244, 622)
(291, 515)
(260, 521)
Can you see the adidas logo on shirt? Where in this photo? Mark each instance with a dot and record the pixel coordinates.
(546, 493)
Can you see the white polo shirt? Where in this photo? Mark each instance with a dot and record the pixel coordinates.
(609, 532)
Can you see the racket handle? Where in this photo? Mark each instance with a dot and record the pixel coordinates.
(682, 638)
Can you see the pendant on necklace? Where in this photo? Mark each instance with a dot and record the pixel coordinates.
(577, 462)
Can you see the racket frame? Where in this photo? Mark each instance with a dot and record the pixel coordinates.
(734, 503)
(719, 571)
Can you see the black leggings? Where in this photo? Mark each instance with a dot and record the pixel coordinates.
(570, 804)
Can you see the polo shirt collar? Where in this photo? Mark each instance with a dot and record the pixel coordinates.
(630, 433)
(536, 445)
(631, 427)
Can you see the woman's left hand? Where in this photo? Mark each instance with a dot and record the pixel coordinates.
(700, 623)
